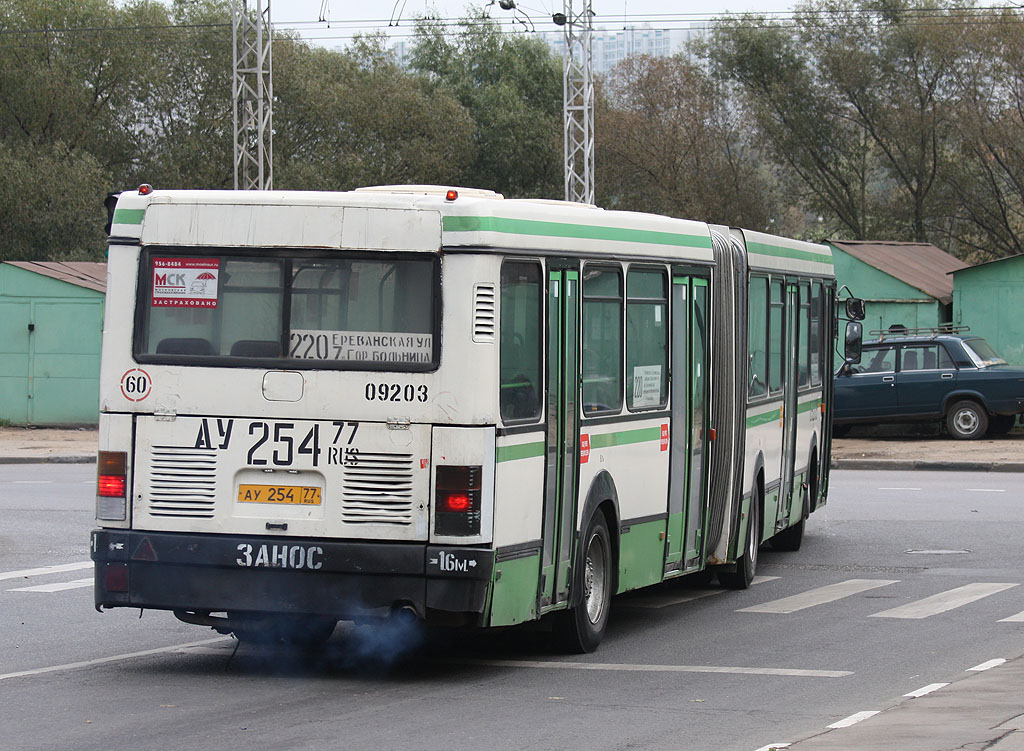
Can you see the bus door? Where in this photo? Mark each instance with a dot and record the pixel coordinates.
(562, 439)
(688, 455)
(789, 403)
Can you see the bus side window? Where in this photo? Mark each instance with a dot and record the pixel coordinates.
(521, 339)
(646, 338)
(757, 336)
(775, 336)
(602, 339)
(817, 353)
(803, 341)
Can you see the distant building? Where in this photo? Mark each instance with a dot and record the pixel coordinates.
(612, 47)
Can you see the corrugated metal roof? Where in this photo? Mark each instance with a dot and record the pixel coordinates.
(921, 265)
(987, 263)
(80, 273)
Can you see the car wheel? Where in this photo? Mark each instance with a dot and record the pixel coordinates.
(967, 420)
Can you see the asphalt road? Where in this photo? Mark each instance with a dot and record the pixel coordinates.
(905, 580)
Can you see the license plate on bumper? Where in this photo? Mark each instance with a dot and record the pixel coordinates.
(298, 495)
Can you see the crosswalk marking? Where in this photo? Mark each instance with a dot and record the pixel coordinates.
(925, 690)
(944, 601)
(688, 595)
(987, 665)
(45, 570)
(56, 586)
(819, 596)
(853, 719)
(1019, 618)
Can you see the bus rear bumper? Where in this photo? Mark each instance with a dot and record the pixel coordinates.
(246, 574)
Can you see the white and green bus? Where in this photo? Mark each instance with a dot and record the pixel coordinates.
(443, 403)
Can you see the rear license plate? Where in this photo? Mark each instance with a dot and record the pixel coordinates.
(301, 495)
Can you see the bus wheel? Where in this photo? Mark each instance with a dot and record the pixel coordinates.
(746, 566)
(791, 538)
(303, 632)
(581, 628)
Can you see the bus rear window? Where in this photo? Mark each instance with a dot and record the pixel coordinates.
(358, 312)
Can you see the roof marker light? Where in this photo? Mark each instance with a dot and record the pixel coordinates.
(451, 195)
(145, 189)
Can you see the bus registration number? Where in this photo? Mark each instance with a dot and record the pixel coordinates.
(296, 494)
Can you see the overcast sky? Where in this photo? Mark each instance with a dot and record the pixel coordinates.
(396, 16)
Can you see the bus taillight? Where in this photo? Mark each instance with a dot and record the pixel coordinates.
(111, 485)
(457, 500)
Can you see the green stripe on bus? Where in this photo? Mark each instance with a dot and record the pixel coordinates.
(519, 451)
(578, 231)
(640, 435)
(808, 406)
(778, 251)
(763, 419)
(128, 216)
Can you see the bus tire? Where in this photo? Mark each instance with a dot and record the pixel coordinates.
(581, 628)
(746, 564)
(791, 538)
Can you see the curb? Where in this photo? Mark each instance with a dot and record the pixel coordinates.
(926, 466)
(48, 459)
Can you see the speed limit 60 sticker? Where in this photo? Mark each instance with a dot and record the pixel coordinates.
(136, 384)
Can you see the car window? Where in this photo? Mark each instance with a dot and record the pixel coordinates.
(881, 360)
(981, 353)
(925, 357)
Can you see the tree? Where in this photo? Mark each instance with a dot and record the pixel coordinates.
(343, 120)
(670, 142)
(856, 100)
(512, 88)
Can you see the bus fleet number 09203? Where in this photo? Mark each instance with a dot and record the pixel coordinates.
(395, 392)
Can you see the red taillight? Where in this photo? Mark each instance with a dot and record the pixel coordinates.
(110, 486)
(111, 474)
(457, 500)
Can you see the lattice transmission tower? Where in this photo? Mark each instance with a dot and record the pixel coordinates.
(578, 102)
(252, 91)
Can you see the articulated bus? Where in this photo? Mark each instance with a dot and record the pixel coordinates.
(442, 403)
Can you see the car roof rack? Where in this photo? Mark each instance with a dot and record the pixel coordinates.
(922, 331)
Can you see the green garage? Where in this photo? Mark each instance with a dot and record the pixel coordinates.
(902, 283)
(51, 328)
(989, 298)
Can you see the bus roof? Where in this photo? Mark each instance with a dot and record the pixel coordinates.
(428, 218)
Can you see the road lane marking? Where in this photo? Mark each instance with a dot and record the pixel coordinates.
(113, 658)
(32, 482)
(42, 570)
(986, 665)
(637, 668)
(985, 490)
(944, 601)
(689, 595)
(774, 746)
(819, 596)
(854, 719)
(899, 488)
(1019, 618)
(924, 690)
(56, 586)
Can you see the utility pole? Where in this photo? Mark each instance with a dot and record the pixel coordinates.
(252, 91)
(578, 101)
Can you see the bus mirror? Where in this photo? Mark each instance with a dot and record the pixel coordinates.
(855, 309)
(854, 339)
